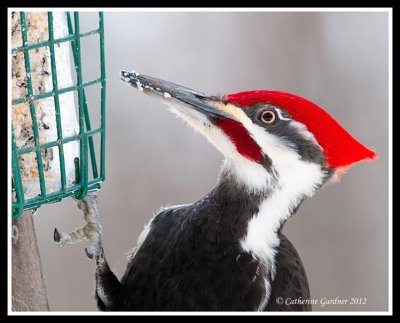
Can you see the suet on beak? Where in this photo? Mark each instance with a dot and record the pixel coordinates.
(171, 91)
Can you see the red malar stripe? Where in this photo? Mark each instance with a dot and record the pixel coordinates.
(240, 137)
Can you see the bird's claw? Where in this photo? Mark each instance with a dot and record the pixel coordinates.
(56, 236)
(91, 231)
(93, 250)
(61, 238)
(88, 254)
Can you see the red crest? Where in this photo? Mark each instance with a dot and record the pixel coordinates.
(340, 148)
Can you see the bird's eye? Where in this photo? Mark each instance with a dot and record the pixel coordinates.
(268, 117)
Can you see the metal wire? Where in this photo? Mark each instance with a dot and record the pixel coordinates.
(82, 183)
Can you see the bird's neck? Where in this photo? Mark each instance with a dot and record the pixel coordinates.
(264, 200)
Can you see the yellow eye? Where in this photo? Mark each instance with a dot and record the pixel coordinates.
(268, 117)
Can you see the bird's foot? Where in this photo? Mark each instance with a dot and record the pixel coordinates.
(90, 232)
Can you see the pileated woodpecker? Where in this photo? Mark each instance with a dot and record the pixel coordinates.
(226, 251)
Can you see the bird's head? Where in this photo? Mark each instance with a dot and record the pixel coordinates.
(264, 135)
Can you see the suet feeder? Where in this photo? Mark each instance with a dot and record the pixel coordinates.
(56, 150)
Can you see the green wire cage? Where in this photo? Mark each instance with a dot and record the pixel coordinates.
(88, 167)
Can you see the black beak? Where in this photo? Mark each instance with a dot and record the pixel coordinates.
(169, 90)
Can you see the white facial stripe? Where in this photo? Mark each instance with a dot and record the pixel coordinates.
(279, 112)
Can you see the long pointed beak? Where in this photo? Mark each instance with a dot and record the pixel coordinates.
(168, 90)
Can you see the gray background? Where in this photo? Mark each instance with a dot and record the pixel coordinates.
(338, 60)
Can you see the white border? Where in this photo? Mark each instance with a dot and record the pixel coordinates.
(390, 156)
(9, 167)
(390, 134)
(160, 9)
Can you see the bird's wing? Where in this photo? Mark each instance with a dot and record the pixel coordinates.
(165, 211)
(290, 282)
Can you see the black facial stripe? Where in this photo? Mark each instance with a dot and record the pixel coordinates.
(288, 133)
